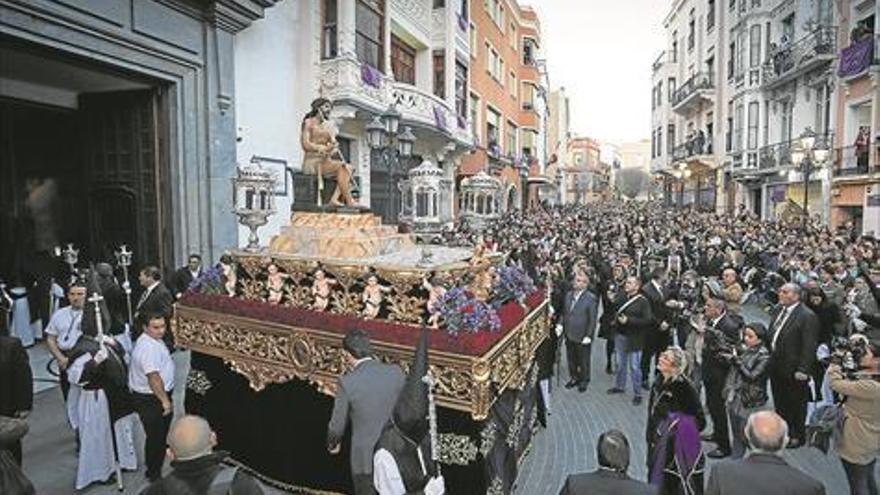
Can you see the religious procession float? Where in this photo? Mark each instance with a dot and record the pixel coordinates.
(265, 328)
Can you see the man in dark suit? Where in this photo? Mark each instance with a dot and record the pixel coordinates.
(154, 300)
(612, 452)
(185, 275)
(633, 320)
(579, 327)
(658, 336)
(794, 334)
(764, 471)
(722, 335)
(16, 384)
(365, 397)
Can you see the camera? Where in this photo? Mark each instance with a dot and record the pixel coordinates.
(848, 353)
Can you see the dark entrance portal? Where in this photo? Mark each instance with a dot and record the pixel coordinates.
(83, 160)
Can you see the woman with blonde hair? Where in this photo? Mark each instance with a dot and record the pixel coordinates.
(675, 419)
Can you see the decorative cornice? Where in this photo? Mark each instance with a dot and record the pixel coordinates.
(235, 15)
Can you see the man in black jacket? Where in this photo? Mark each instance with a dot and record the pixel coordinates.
(155, 299)
(764, 471)
(722, 335)
(196, 468)
(633, 320)
(794, 333)
(658, 336)
(185, 275)
(16, 386)
(612, 452)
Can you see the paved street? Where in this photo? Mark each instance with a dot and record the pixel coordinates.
(568, 444)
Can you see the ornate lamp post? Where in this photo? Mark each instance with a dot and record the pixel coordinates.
(253, 197)
(808, 157)
(382, 135)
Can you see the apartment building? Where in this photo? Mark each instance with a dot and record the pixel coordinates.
(745, 79)
(587, 176)
(855, 161)
(413, 55)
(507, 100)
(558, 134)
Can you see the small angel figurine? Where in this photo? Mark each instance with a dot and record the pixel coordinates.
(227, 265)
(321, 290)
(275, 284)
(373, 296)
(435, 292)
(483, 282)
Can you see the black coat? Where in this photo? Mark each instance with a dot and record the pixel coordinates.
(669, 396)
(16, 381)
(181, 279)
(160, 302)
(605, 482)
(796, 344)
(196, 475)
(638, 321)
(721, 339)
(761, 474)
(658, 299)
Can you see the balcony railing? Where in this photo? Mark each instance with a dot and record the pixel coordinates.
(346, 79)
(700, 81)
(858, 56)
(695, 146)
(852, 161)
(779, 154)
(787, 60)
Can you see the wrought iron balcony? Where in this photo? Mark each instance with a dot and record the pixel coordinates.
(695, 90)
(854, 161)
(778, 155)
(695, 146)
(787, 62)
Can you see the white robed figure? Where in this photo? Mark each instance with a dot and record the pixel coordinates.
(102, 412)
(97, 461)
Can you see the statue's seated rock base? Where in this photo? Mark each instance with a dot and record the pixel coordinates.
(305, 195)
(338, 235)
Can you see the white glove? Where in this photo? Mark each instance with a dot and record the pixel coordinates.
(126, 287)
(559, 329)
(859, 325)
(107, 339)
(100, 356)
(435, 486)
(586, 340)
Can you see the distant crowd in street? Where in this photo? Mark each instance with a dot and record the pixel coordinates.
(665, 289)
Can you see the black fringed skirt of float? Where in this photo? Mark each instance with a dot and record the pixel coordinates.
(270, 408)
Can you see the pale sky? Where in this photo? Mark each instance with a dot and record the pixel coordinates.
(602, 51)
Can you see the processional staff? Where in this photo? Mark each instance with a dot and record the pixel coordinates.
(96, 299)
(123, 259)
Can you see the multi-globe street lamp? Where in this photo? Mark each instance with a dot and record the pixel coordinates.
(383, 136)
(808, 157)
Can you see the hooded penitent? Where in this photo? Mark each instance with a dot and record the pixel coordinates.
(405, 435)
(110, 375)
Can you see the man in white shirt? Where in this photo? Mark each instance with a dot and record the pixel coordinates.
(151, 380)
(64, 330)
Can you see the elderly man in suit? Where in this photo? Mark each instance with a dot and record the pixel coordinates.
(764, 471)
(794, 334)
(365, 397)
(155, 299)
(633, 320)
(612, 452)
(578, 323)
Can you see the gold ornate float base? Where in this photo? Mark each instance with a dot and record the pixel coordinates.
(266, 353)
(338, 235)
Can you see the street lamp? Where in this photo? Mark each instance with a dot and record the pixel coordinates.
(808, 157)
(382, 135)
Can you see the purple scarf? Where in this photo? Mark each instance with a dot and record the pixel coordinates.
(686, 442)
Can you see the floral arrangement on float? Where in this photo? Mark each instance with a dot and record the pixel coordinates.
(511, 283)
(210, 282)
(461, 312)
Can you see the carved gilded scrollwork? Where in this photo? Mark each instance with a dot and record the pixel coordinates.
(407, 309)
(346, 302)
(266, 353)
(456, 449)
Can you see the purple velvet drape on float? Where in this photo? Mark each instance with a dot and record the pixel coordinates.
(856, 57)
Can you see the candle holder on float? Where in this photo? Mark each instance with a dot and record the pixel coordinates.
(253, 197)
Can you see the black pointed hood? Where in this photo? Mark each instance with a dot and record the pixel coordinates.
(89, 320)
(410, 413)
